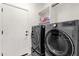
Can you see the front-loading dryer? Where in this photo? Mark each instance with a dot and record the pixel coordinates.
(62, 39)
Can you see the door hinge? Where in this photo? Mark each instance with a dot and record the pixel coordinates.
(1, 54)
(1, 9)
(2, 32)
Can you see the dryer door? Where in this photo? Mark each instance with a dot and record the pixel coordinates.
(59, 43)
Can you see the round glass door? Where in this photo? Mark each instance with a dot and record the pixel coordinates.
(59, 43)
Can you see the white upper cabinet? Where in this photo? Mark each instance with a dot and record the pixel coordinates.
(65, 12)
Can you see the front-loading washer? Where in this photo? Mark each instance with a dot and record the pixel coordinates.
(62, 39)
(37, 38)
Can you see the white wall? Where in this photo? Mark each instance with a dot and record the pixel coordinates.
(33, 9)
(65, 12)
(53, 14)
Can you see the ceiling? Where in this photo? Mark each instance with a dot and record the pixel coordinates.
(31, 6)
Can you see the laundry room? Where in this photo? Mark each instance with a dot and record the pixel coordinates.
(39, 29)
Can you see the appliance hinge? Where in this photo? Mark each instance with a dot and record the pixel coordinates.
(1, 9)
(2, 32)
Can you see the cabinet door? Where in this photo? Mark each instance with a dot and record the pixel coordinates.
(15, 26)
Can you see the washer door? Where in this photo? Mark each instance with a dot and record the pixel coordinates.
(59, 43)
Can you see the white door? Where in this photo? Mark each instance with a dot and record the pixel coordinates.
(0, 30)
(15, 25)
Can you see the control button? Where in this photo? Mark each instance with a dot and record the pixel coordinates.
(54, 25)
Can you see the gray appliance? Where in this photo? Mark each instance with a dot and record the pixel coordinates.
(38, 47)
(62, 39)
